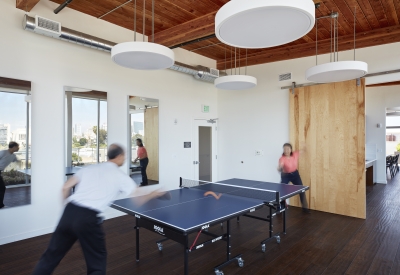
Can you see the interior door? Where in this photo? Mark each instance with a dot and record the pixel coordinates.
(205, 150)
(328, 121)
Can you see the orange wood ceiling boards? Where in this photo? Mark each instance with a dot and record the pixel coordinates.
(180, 21)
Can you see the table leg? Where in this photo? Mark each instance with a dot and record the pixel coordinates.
(186, 256)
(270, 223)
(228, 240)
(137, 239)
(284, 221)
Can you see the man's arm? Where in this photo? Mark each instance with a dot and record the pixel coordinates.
(71, 182)
(140, 199)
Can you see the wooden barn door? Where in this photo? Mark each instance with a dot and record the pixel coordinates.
(329, 120)
(151, 142)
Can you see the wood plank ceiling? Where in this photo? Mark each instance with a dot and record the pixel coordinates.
(180, 21)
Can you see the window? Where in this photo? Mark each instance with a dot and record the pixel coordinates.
(15, 126)
(137, 131)
(87, 133)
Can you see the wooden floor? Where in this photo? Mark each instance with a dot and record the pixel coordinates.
(137, 178)
(318, 243)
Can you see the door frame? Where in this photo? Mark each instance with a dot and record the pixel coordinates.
(196, 123)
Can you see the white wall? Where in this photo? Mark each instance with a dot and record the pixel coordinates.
(50, 64)
(377, 100)
(258, 119)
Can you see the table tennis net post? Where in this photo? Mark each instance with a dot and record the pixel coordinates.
(268, 196)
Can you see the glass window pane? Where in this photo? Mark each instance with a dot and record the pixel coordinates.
(103, 131)
(137, 131)
(13, 127)
(84, 127)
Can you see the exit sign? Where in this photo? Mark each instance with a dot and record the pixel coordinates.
(205, 108)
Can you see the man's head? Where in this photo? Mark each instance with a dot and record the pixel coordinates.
(13, 147)
(116, 154)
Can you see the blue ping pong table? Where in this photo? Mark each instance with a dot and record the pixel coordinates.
(69, 171)
(190, 211)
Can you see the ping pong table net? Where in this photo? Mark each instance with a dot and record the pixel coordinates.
(267, 196)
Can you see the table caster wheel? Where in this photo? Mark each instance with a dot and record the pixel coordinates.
(240, 262)
(263, 247)
(160, 247)
(217, 272)
(278, 239)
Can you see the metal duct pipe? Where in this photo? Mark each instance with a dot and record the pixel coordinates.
(96, 43)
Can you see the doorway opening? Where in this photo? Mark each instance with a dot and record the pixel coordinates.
(205, 149)
(392, 140)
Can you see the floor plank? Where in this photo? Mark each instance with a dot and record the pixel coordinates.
(316, 243)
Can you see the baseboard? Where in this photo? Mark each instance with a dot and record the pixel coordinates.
(381, 181)
(109, 214)
(112, 213)
(26, 235)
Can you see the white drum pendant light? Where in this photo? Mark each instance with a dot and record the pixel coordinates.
(143, 55)
(263, 23)
(235, 81)
(336, 71)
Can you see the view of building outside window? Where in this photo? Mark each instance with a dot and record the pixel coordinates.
(392, 135)
(84, 131)
(13, 123)
(137, 131)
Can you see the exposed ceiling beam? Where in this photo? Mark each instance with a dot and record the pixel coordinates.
(188, 31)
(385, 84)
(15, 84)
(365, 39)
(26, 5)
(91, 94)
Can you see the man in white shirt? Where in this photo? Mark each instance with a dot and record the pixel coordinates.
(97, 186)
(6, 157)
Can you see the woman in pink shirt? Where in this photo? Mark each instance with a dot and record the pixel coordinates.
(288, 164)
(143, 159)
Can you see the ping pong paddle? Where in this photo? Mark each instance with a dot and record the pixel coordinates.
(165, 197)
(212, 194)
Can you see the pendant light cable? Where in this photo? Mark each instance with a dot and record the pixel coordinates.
(239, 61)
(355, 10)
(134, 24)
(235, 60)
(152, 19)
(225, 58)
(316, 42)
(231, 60)
(331, 41)
(337, 38)
(144, 18)
(246, 64)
